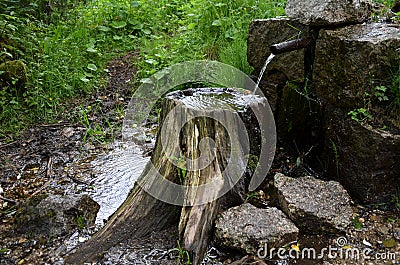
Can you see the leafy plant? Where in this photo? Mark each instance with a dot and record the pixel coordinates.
(357, 223)
(380, 93)
(252, 195)
(252, 162)
(180, 167)
(360, 115)
(66, 45)
(183, 256)
(80, 222)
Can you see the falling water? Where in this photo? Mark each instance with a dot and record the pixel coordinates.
(269, 59)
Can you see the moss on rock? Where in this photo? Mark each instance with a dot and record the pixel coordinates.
(13, 74)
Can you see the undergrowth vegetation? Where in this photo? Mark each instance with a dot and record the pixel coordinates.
(63, 46)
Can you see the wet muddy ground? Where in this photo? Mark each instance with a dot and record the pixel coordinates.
(71, 157)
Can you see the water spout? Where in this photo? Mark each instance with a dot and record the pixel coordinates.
(292, 45)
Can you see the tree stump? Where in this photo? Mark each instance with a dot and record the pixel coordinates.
(205, 139)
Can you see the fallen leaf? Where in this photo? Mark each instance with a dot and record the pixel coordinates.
(295, 247)
(22, 240)
(389, 243)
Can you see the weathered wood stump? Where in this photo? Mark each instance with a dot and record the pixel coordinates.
(196, 170)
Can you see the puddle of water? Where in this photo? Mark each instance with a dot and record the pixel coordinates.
(116, 173)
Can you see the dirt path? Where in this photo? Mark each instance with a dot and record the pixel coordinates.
(54, 158)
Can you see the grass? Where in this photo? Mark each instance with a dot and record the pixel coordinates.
(66, 47)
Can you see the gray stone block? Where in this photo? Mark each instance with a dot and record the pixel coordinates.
(315, 206)
(353, 60)
(327, 12)
(247, 228)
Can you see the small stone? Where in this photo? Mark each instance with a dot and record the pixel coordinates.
(373, 217)
(82, 239)
(361, 220)
(396, 233)
(249, 229)
(68, 132)
(383, 229)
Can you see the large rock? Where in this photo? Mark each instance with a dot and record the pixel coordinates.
(353, 60)
(327, 12)
(247, 228)
(314, 205)
(287, 66)
(364, 159)
(56, 215)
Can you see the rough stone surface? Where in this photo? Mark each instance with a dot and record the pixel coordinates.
(287, 66)
(353, 60)
(327, 12)
(365, 160)
(314, 205)
(56, 215)
(247, 228)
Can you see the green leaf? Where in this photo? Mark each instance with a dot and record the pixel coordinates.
(135, 4)
(118, 24)
(103, 28)
(116, 37)
(357, 224)
(2, 72)
(135, 23)
(220, 4)
(191, 26)
(151, 61)
(84, 79)
(146, 31)
(3, 250)
(92, 67)
(92, 50)
(216, 23)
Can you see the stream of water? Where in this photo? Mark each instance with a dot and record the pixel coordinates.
(116, 174)
(260, 76)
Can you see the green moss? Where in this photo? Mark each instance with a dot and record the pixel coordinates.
(13, 74)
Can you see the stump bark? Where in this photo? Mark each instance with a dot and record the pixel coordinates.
(196, 170)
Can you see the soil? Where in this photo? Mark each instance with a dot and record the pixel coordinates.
(55, 159)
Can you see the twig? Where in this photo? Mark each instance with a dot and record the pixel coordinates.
(8, 200)
(77, 180)
(5, 145)
(48, 175)
(54, 124)
(49, 167)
